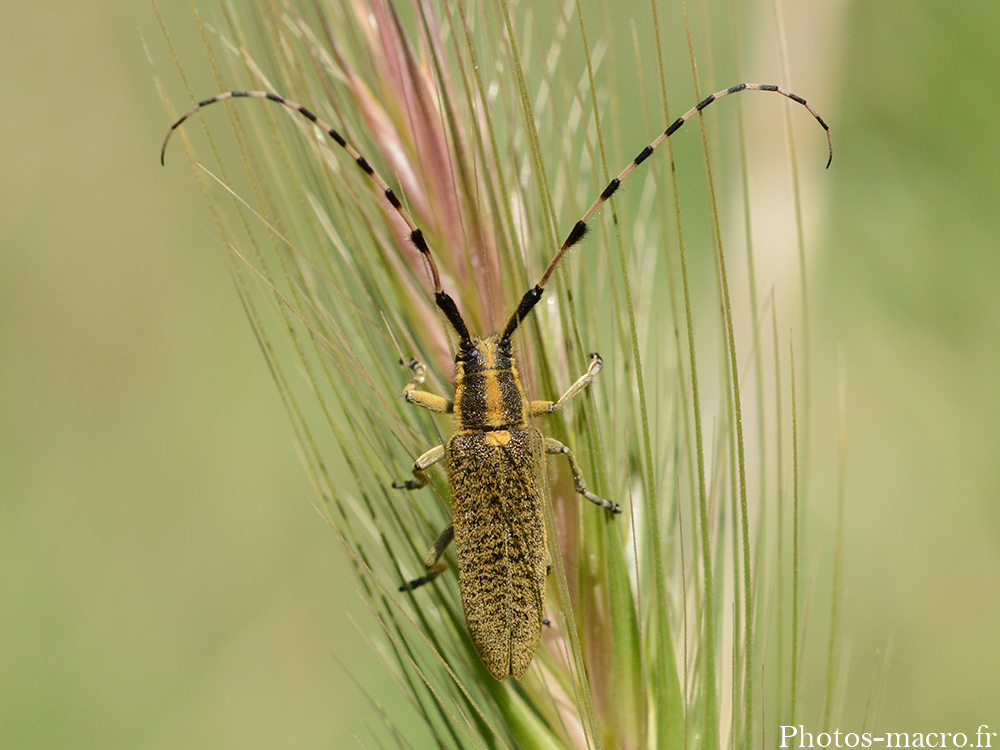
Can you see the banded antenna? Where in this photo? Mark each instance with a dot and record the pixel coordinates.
(576, 234)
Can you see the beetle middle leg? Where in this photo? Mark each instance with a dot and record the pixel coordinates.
(433, 564)
(552, 447)
(420, 467)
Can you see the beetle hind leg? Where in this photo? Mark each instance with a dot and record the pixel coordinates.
(433, 564)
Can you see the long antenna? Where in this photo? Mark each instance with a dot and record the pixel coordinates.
(577, 233)
(416, 236)
(580, 228)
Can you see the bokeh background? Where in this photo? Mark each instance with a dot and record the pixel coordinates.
(164, 578)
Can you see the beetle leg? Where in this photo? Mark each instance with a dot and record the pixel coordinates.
(433, 564)
(427, 400)
(427, 460)
(547, 407)
(553, 446)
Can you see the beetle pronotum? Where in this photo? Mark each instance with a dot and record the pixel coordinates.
(495, 458)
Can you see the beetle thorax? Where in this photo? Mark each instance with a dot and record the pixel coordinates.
(488, 390)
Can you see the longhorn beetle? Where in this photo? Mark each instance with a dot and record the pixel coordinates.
(495, 459)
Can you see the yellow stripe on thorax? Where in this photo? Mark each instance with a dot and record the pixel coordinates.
(491, 396)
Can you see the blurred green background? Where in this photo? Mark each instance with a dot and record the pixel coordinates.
(164, 579)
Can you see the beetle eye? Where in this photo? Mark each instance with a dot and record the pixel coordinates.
(466, 354)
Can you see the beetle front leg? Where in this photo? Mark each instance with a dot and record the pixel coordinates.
(547, 407)
(553, 446)
(433, 564)
(427, 400)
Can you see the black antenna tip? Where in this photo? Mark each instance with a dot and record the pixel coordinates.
(163, 148)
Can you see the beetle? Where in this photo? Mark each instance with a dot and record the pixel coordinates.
(495, 460)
